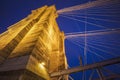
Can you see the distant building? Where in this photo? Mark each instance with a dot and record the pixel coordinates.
(33, 47)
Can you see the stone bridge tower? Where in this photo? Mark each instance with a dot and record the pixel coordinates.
(33, 47)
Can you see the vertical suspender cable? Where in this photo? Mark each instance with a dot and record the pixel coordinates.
(85, 42)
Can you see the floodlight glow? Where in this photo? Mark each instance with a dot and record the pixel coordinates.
(41, 65)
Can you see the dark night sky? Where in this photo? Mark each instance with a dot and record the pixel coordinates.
(102, 45)
(13, 11)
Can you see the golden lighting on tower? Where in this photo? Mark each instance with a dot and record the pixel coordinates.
(41, 65)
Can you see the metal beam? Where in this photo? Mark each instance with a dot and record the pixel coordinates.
(93, 33)
(100, 74)
(86, 67)
(80, 58)
(87, 5)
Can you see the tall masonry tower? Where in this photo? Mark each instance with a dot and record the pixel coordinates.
(33, 48)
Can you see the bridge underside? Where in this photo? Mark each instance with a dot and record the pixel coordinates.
(97, 66)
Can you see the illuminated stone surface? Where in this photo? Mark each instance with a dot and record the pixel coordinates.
(26, 45)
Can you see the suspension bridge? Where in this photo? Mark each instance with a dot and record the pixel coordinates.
(99, 38)
(92, 44)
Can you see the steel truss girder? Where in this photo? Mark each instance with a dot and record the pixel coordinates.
(86, 67)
